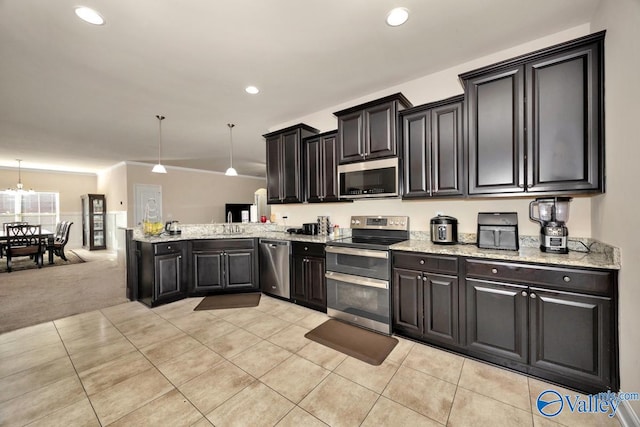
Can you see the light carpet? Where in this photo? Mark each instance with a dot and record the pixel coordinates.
(34, 296)
(24, 263)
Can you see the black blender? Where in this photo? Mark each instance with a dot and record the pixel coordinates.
(553, 213)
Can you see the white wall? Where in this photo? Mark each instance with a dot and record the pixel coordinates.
(615, 214)
(192, 196)
(430, 88)
(69, 185)
(112, 182)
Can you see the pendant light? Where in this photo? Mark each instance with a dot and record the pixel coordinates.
(159, 168)
(19, 186)
(231, 171)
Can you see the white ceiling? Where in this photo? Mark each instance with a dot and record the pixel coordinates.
(81, 97)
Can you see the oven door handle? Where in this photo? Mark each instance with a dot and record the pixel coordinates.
(357, 280)
(357, 252)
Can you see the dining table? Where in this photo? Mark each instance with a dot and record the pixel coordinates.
(44, 236)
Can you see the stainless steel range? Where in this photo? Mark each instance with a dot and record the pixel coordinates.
(358, 271)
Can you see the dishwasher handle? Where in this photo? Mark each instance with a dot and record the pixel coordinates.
(275, 243)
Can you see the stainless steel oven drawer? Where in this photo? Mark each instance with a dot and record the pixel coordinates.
(360, 300)
(359, 262)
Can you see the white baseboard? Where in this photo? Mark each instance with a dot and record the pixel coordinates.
(627, 416)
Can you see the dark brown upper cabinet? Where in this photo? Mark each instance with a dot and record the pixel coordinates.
(432, 139)
(535, 122)
(321, 168)
(284, 163)
(368, 131)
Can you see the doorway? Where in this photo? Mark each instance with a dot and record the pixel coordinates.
(147, 199)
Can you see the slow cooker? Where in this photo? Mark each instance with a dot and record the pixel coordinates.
(444, 229)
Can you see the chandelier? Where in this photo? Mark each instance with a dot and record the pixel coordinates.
(19, 188)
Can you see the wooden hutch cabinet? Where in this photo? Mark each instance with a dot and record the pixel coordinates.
(94, 214)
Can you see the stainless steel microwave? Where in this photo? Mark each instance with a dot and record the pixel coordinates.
(373, 178)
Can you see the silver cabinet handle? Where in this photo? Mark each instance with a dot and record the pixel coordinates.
(306, 248)
(357, 252)
(424, 278)
(524, 293)
(566, 279)
(494, 270)
(419, 277)
(532, 295)
(421, 262)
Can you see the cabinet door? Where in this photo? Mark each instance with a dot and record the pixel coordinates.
(168, 276)
(239, 269)
(298, 286)
(571, 336)
(312, 170)
(416, 136)
(565, 136)
(316, 288)
(350, 138)
(207, 271)
(380, 131)
(447, 155)
(497, 319)
(274, 160)
(495, 105)
(407, 301)
(440, 301)
(329, 167)
(290, 171)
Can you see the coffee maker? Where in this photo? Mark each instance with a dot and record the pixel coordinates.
(553, 213)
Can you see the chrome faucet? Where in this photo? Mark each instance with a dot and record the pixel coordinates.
(229, 217)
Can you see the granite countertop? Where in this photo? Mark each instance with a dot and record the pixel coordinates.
(272, 235)
(606, 259)
(602, 256)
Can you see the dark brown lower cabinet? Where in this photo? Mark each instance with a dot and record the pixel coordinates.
(497, 319)
(222, 265)
(309, 287)
(553, 322)
(552, 332)
(162, 273)
(426, 305)
(425, 297)
(570, 337)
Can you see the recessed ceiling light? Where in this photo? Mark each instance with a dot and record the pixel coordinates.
(397, 16)
(252, 90)
(89, 15)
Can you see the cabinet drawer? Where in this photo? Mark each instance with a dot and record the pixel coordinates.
(305, 248)
(424, 262)
(167, 248)
(589, 281)
(222, 244)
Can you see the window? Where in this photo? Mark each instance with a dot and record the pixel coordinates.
(32, 207)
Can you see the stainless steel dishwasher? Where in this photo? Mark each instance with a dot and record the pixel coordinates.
(274, 267)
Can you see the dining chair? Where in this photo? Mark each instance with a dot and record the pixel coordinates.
(23, 240)
(3, 246)
(56, 245)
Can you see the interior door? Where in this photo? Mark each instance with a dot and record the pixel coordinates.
(144, 195)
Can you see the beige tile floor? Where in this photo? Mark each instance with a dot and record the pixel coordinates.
(128, 365)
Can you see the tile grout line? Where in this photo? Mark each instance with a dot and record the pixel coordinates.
(76, 370)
